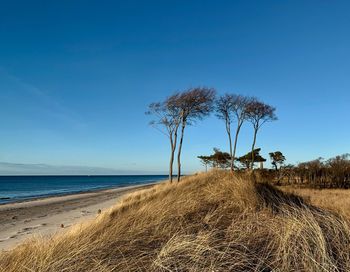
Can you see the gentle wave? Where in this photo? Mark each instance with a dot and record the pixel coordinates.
(22, 188)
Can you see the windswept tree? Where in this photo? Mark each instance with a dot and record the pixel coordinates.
(277, 158)
(192, 105)
(248, 159)
(231, 107)
(258, 113)
(218, 159)
(205, 160)
(167, 121)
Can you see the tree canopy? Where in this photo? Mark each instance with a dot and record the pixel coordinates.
(218, 159)
(246, 160)
(277, 158)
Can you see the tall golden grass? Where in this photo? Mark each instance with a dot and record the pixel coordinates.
(337, 200)
(207, 222)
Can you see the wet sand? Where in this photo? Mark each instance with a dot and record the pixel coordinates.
(19, 221)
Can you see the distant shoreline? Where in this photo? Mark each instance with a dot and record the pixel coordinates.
(49, 215)
(87, 184)
(35, 198)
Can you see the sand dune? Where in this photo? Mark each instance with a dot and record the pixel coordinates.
(207, 222)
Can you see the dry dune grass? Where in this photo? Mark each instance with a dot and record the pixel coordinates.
(208, 222)
(337, 200)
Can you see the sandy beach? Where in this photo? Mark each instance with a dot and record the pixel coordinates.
(18, 221)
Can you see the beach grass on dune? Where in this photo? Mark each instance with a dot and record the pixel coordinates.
(207, 222)
(337, 200)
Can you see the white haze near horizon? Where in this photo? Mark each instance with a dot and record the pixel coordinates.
(7, 169)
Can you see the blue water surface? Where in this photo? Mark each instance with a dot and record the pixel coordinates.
(19, 188)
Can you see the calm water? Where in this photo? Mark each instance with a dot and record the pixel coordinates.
(18, 188)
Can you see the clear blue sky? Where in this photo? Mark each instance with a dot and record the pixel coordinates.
(76, 77)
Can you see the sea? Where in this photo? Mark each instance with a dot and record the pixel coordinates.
(23, 188)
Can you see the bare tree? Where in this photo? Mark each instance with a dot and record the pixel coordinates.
(258, 113)
(192, 105)
(228, 108)
(223, 110)
(167, 121)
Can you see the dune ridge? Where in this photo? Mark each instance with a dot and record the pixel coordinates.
(207, 222)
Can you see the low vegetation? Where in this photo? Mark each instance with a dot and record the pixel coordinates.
(319, 173)
(207, 222)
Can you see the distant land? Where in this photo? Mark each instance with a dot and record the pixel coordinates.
(7, 169)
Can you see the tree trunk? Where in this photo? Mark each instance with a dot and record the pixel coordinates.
(171, 161)
(253, 146)
(179, 152)
(228, 129)
(173, 142)
(235, 146)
